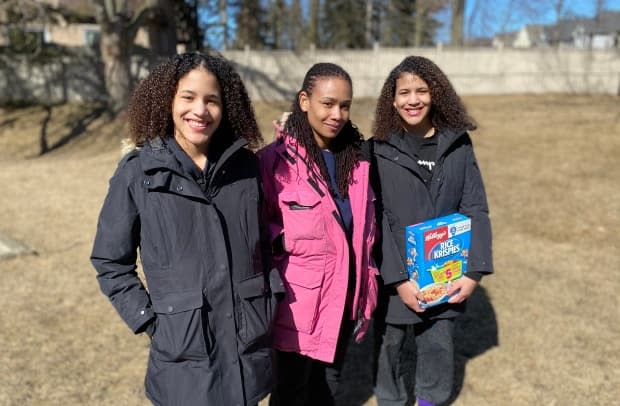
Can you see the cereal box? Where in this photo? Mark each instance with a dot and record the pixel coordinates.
(437, 253)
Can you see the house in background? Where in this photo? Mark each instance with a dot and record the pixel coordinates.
(601, 32)
(604, 31)
(530, 36)
(504, 39)
(74, 26)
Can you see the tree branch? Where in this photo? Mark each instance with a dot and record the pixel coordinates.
(145, 12)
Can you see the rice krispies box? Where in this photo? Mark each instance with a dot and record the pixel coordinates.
(437, 252)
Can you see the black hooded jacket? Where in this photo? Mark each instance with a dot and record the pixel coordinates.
(207, 274)
(404, 198)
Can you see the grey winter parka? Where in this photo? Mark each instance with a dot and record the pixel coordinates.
(404, 199)
(207, 275)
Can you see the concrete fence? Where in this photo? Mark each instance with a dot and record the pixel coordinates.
(277, 75)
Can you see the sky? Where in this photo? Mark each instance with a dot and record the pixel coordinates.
(484, 18)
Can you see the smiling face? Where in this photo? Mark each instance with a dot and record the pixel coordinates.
(196, 110)
(327, 108)
(412, 101)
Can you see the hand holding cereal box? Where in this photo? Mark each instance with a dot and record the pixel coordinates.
(437, 251)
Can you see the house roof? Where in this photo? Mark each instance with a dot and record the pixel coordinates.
(565, 29)
(506, 36)
(604, 23)
(537, 30)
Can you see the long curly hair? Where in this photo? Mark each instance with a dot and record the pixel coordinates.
(150, 107)
(347, 144)
(447, 110)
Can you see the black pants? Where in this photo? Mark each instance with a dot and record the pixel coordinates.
(434, 370)
(303, 381)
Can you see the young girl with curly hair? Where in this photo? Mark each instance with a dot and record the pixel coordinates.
(424, 167)
(187, 198)
(321, 222)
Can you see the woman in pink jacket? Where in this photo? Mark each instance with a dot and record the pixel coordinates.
(321, 223)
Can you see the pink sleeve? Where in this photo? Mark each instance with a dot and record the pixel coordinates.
(368, 302)
(272, 214)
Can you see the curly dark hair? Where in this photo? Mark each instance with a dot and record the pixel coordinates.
(447, 109)
(150, 108)
(347, 144)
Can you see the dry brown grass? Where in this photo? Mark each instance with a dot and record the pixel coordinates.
(549, 164)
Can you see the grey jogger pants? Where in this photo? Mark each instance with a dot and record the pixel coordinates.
(434, 370)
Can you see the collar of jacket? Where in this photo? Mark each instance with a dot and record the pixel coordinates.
(159, 155)
(446, 138)
(159, 164)
(294, 153)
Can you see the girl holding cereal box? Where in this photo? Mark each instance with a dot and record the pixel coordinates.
(424, 167)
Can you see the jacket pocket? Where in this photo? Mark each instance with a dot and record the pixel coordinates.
(181, 331)
(254, 310)
(301, 215)
(300, 307)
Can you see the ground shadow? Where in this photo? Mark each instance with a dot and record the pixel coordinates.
(76, 128)
(8, 122)
(476, 332)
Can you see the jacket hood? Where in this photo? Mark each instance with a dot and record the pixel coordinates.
(158, 154)
(127, 146)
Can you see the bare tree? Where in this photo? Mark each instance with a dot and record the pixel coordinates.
(17, 15)
(368, 23)
(458, 20)
(599, 8)
(277, 17)
(223, 8)
(296, 26)
(119, 27)
(189, 31)
(343, 24)
(313, 24)
(162, 28)
(250, 19)
(558, 8)
(397, 19)
(425, 23)
(421, 8)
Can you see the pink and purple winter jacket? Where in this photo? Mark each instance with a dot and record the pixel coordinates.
(314, 264)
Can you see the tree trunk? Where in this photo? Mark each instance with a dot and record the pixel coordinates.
(458, 18)
(223, 8)
(313, 29)
(421, 8)
(277, 22)
(368, 23)
(296, 27)
(386, 25)
(115, 53)
(162, 30)
(118, 31)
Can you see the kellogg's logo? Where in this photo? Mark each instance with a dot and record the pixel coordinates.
(432, 237)
(435, 235)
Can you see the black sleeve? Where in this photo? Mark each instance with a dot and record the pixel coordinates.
(114, 251)
(385, 251)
